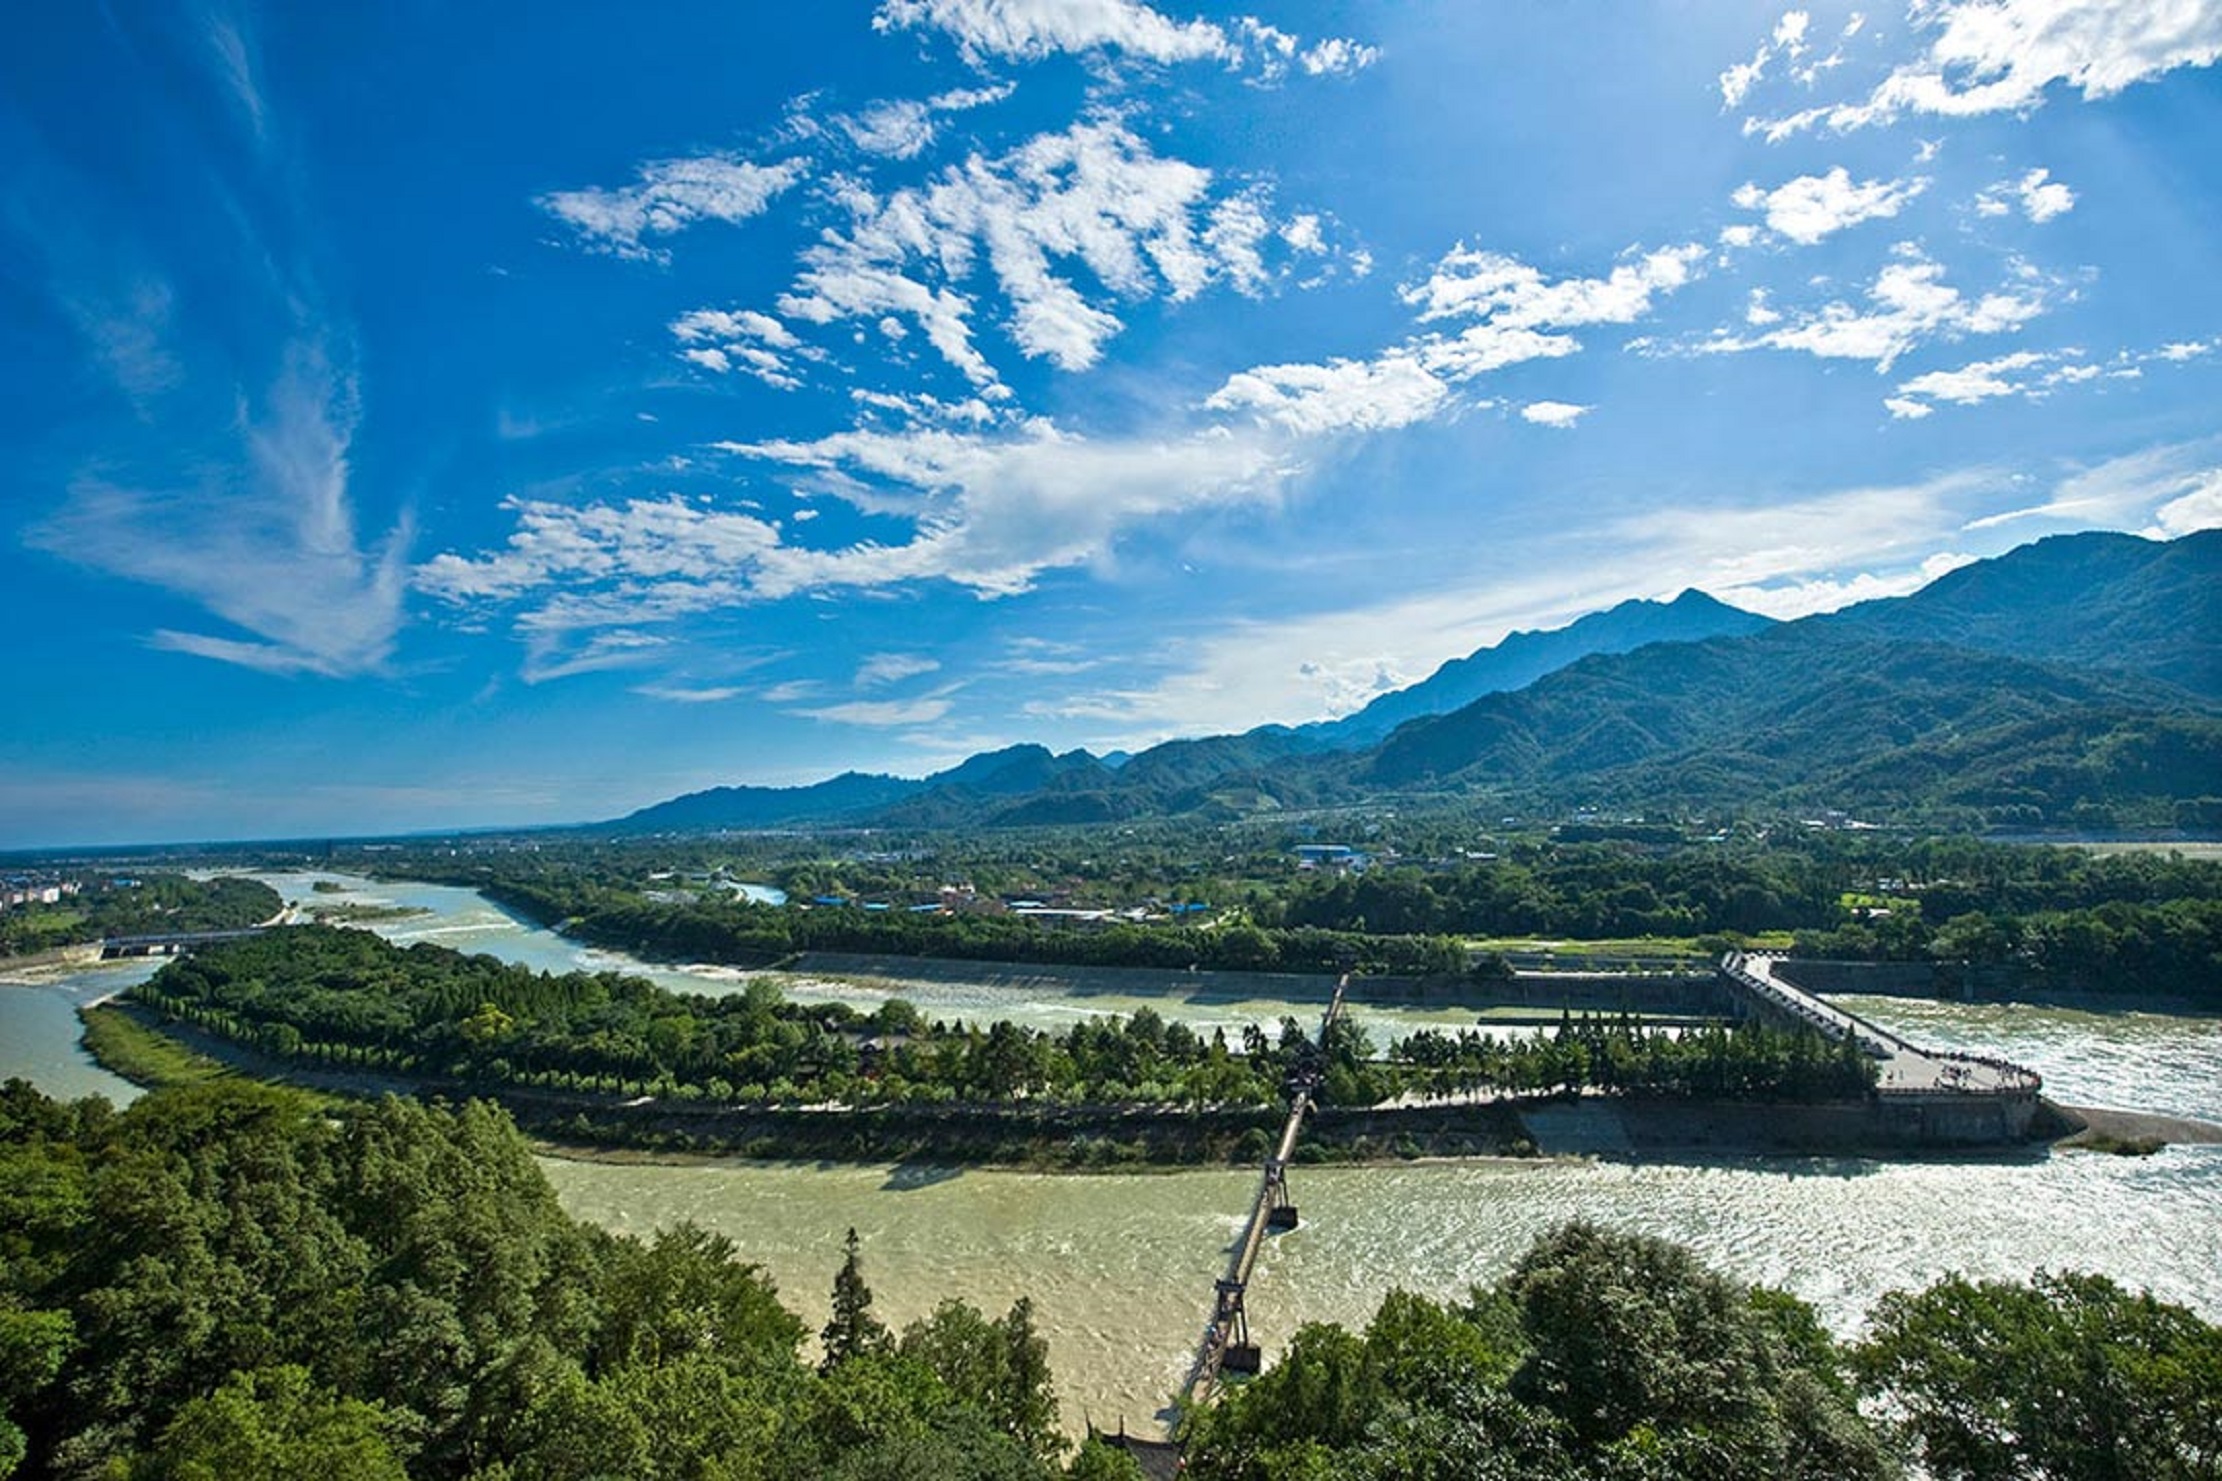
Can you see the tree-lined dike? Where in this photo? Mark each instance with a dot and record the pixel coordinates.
(831, 1081)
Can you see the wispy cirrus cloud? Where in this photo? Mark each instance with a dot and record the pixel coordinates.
(893, 668)
(987, 512)
(1783, 557)
(264, 538)
(230, 485)
(2160, 486)
(669, 196)
(690, 694)
(882, 713)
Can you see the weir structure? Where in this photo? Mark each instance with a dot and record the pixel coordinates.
(1928, 1095)
(1226, 1346)
(1922, 1096)
(171, 943)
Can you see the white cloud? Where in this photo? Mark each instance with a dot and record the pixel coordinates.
(1979, 380)
(893, 668)
(548, 657)
(882, 713)
(2043, 198)
(1908, 304)
(2033, 374)
(993, 513)
(1303, 235)
(1788, 39)
(1520, 314)
(1238, 231)
(2121, 490)
(1314, 665)
(1560, 414)
(238, 63)
(1791, 599)
(987, 513)
(1394, 390)
(2200, 509)
(1508, 293)
(1029, 30)
(1812, 207)
(670, 195)
(728, 340)
(1067, 226)
(683, 694)
(901, 128)
(641, 542)
(2003, 56)
(266, 539)
(129, 333)
(1339, 57)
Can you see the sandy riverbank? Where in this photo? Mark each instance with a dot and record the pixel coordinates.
(2100, 1124)
(44, 968)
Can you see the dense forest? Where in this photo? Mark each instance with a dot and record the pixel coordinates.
(349, 999)
(144, 905)
(231, 1281)
(2047, 918)
(1606, 1355)
(726, 929)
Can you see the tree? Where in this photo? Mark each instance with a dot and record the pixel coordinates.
(1100, 1460)
(2067, 1376)
(274, 1426)
(1649, 1357)
(1027, 1406)
(853, 1329)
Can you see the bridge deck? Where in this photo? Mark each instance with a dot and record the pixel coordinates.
(1905, 1067)
(170, 943)
(1228, 1319)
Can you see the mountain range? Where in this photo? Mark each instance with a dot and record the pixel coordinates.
(2076, 680)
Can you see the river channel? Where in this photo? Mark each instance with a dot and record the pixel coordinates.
(1120, 1267)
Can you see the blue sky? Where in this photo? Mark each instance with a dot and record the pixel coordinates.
(419, 418)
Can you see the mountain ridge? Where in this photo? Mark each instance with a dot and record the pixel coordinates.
(1521, 657)
(2078, 672)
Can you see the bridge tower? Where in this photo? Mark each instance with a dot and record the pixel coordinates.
(1240, 1355)
(1280, 1210)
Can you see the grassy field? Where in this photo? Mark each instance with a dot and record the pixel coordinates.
(145, 1057)
(1621, 946)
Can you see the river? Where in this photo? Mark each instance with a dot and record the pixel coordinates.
(1120, 1266)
